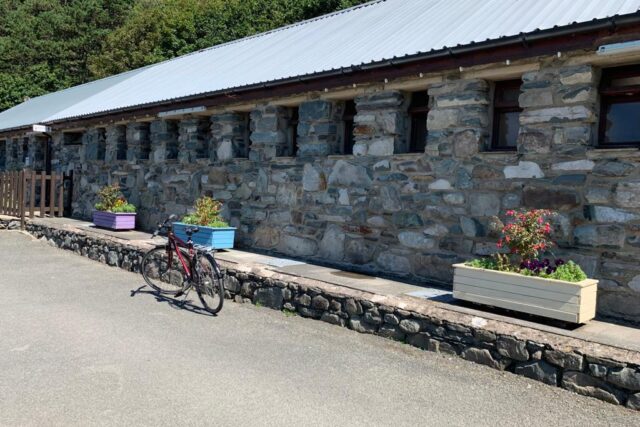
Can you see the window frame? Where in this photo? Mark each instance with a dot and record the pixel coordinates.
(413, 111)
(499, 108)
(610, 95)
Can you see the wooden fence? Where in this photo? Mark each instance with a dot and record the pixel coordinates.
(29, 193)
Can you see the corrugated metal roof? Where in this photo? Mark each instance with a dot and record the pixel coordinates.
(369, 33)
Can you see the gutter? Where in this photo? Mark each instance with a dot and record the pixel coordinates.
(525, 38)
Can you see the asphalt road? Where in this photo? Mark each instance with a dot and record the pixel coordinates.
(77, 348)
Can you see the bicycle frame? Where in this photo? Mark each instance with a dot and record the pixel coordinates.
(175, 243)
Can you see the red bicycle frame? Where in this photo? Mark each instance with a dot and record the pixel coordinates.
(174, 244)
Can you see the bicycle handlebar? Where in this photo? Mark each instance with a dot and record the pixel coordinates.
(162, 225)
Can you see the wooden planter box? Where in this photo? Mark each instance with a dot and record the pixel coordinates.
(114, 221)
(214, 238)
(556, 299)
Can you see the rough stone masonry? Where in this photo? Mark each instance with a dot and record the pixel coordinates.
(380, 210)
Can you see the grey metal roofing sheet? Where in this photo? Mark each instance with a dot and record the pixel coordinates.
(364, 34)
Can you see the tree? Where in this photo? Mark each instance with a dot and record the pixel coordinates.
(48, 45)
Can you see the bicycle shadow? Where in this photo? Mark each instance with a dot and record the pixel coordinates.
(176, 304)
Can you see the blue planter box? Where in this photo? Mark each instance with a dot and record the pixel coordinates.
(215, 238)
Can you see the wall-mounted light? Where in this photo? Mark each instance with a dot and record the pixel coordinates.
(619, 48)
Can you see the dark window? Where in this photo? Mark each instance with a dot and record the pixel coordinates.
(418, 111)
(121, 142)
(72, 138)
(292, 130)
(25, 149)
(243, 144)
(347, 120)
(620, 107)
(506, 115)
(171, 138)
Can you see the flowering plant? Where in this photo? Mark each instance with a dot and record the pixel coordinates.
(112, 200)
(528, 237)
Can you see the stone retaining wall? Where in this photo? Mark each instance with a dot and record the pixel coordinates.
(591, 369)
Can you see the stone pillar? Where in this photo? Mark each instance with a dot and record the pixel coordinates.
(57, 142)
(37, 147)
(379, 123)
(318, 128)
(559, 110)
(164, 140)
(458, 120)
(116, 143)
(268, 132)
(94, 144)
(138, 143)
(192, 139)
(12, 154)
(229, 136)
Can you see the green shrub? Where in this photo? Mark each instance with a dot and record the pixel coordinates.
(207, 213)
(112, 200)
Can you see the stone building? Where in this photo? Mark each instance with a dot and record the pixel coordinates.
(390, 138)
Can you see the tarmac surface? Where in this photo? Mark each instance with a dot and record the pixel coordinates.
(82, 343)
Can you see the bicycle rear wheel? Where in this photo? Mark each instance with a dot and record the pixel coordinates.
(209, 284)
(163, 271)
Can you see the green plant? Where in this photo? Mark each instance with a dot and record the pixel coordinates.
(207, 213)
(528, 236)
(112, 200)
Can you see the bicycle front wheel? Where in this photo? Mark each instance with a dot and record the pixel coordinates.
(163, 271)
(209, 284)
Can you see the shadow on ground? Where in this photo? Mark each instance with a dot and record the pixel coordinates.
(176, 304)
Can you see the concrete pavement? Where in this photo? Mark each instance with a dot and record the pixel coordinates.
(79, 346)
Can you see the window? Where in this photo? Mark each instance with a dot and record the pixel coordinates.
(292, 131)
(348, 117)
(72, 138)
(244, 141)
(121, 142)
(418, 110)
(25, 151)
(506, 115)
(620, 107)
(171, 138)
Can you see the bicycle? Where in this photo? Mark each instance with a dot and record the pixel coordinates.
(176, 267)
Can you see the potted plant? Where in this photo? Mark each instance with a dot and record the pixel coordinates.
(113, 211)
(520, 278)
(214, 232)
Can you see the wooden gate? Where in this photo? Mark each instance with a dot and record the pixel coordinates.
(30, 193)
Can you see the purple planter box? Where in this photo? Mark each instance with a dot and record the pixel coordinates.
(114, 221)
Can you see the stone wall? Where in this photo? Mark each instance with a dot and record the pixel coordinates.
(602, 372)
(384, 212)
